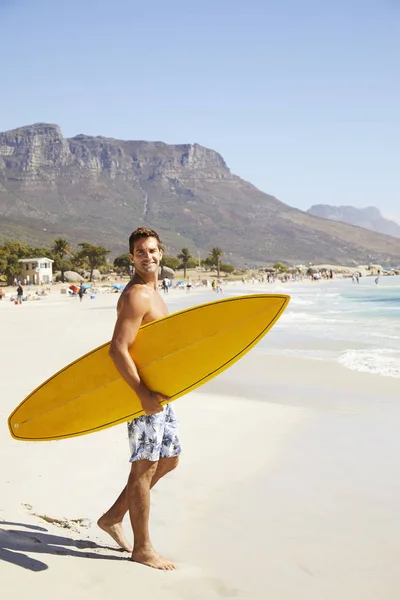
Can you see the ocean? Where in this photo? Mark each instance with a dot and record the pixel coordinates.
(357, 325)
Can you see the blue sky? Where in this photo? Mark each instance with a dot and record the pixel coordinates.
(301, 97)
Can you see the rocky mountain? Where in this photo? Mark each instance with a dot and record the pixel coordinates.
(368, 218)
(98, 190)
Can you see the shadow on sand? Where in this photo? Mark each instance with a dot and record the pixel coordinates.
(15, 543)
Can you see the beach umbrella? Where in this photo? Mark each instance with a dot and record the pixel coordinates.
(73, 288)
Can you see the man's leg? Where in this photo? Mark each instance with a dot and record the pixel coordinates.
(164, 466)
(111, 521)
(138, 494)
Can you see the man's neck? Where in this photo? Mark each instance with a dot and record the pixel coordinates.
(150, 282)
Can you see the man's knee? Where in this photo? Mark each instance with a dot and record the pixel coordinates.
(142, 470)
(168, 464)
(174, 462)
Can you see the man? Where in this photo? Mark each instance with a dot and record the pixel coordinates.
(153, 437)
(20, 293)
(165, 285)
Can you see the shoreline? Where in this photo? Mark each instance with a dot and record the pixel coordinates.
(340, 273)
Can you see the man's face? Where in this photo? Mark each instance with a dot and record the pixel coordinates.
(146, 255)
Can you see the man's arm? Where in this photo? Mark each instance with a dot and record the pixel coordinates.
(134, 307)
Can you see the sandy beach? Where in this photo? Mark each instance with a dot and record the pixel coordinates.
(287, 486)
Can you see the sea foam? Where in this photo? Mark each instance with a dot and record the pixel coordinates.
(381, 361)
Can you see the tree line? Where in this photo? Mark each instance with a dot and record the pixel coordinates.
(184, 260)
(87, 257)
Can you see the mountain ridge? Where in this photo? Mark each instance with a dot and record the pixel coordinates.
(98, 189)
(369, 217)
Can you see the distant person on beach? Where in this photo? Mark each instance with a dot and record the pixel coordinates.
(153, 437)
(165, 285)
(20, 293)
(81, 292)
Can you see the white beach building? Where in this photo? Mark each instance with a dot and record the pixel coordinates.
(37, 270)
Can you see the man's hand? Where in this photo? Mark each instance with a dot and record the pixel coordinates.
(151, 401)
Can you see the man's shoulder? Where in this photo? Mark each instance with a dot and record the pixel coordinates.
(136, 290)
(135, 295)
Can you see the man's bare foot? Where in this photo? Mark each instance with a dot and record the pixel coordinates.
(150, 558)
(116, 532)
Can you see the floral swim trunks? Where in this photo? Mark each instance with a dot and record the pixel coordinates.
(154, 436)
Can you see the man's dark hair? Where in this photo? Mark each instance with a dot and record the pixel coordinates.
(143, 232)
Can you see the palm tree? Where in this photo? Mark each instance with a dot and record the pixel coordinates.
(61, 249)
(215, 257)
(184, 256)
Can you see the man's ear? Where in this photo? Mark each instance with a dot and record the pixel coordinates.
(130, 257)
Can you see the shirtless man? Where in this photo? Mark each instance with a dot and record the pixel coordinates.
(153, 438)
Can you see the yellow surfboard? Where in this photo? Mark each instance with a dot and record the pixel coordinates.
(174, 355)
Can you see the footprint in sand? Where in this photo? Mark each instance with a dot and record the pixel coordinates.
(73, 524)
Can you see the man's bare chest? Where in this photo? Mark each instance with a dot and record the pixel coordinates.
(157, 309)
